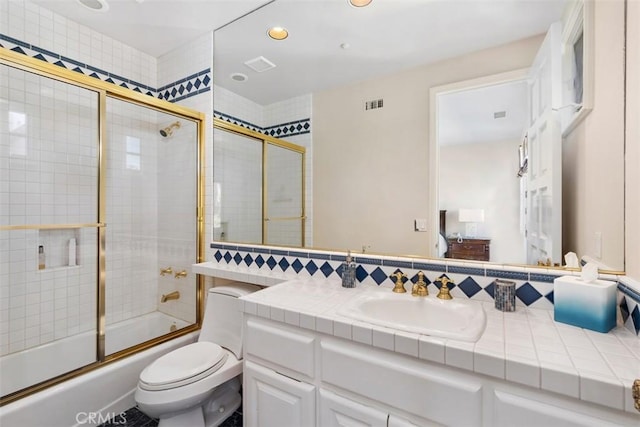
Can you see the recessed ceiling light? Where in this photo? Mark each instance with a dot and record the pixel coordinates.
(95, 5)
(278, 33)
(360, 3)
(239, 77)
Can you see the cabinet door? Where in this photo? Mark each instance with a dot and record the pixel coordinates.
(336, 411)
(273, 400)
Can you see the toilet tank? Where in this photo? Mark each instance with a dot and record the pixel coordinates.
(222, 323)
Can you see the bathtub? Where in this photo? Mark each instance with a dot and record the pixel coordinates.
(106, 391)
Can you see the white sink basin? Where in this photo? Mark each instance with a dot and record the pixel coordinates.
(453, 319)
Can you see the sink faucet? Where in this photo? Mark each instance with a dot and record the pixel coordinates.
(399, 285)
(444, 289)
(420, 288)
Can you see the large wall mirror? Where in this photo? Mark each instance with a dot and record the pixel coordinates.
(479, 130)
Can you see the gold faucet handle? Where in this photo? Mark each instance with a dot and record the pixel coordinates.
(444, 289)
(181, 274)
(399, 284)
(167, 270)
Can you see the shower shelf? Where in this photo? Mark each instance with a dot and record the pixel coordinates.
(59, 268)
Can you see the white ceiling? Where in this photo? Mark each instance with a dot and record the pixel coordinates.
(467, 117)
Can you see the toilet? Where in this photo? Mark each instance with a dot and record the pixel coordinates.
(199, 384)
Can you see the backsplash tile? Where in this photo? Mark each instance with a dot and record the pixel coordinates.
(533, 289)
(468, 282)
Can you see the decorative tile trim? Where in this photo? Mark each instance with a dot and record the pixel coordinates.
(629, 304)
(187, 87)
(297, 127)
(471, 282)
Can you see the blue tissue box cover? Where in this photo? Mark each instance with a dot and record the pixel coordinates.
(590, 310)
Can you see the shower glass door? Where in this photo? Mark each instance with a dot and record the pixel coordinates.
(151, 231)
(49, 166)
(284, 210)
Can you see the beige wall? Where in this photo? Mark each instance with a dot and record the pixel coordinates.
(371, 167)
(469, 178)
(593, 201)
(632, 220)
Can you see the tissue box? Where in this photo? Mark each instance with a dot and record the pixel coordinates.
(590, 305)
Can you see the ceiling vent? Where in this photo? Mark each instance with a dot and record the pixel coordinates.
(260, 64)
(499, 114)
(373, 105)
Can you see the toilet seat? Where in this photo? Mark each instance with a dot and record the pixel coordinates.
(183, 366)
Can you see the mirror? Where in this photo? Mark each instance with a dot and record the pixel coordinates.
(355, 86)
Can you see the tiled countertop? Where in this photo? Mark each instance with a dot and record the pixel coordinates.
(525, 347)
(241, 273)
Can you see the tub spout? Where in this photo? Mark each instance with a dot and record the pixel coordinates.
(172, 295)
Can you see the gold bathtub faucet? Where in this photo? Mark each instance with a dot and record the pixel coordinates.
(168, 297)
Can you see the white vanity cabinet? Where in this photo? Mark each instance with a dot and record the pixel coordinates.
(303, 378)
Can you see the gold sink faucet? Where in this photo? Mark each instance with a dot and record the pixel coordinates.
(420, 288)
(399, 285)
(167, 270)
(444, 289)
(168, 297)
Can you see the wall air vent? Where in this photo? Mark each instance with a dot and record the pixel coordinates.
(373, 105)
(260, 64)
(499, 114)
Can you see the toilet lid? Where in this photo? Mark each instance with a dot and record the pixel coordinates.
(183, 366)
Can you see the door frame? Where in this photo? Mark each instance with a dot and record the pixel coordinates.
(520, 74)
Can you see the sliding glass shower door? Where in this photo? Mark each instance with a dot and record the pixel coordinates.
(49, 166)
(151, 159)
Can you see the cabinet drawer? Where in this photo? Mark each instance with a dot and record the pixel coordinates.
(403, 383)
(279, 344)
(469, 248)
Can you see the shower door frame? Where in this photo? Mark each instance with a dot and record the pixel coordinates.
(267, 140)
(105, 90)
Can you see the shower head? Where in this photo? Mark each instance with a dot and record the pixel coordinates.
(168, 131)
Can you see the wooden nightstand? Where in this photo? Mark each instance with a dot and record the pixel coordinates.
(474, 249)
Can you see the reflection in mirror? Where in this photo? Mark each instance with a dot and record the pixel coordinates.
(258, 188)
(360, 102)
(479, 134)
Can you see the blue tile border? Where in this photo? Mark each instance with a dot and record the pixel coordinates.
(377, 269)
(297, 127)
(186, 87)
(507, 274)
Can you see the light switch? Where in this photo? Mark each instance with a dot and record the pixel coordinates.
(421, 224)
